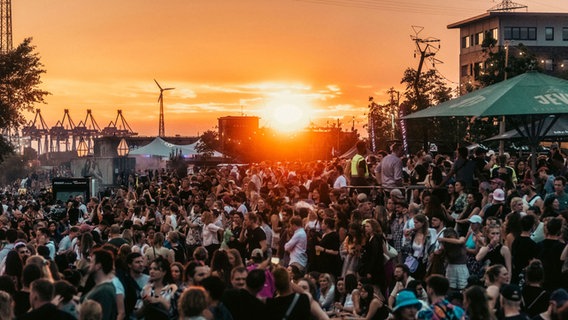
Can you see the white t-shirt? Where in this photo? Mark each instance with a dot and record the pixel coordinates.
(340, 182)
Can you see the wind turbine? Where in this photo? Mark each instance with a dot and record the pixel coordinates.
(161, 128)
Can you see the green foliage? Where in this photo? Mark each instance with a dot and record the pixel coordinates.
(20, 77)
(208, 143)
(381, 124)
(12, 168)
(432, 90)
(499, 62)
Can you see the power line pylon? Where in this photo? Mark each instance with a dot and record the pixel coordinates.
(5, 26)
(425, 47)
(507, 6)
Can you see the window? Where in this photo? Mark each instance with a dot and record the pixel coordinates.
(477, 70)
(520, 33)
(466, 42)
(464, 70)
(478, 39)
(494, 33)
(548, 64)
(549, 33)
(565, 34)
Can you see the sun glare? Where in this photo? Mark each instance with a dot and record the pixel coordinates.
(288, 113)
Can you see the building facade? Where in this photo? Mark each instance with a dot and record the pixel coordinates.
(237, 129)
(544, 34)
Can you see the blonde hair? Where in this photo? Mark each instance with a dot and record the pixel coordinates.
(90, 310)
(43, 265)
(514, 201)
(6, 311)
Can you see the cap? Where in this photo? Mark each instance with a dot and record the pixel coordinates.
(362, 197)
(490, 153)
(498, 181)
(499, 195)
(545, 169)
(256, 253)
(511, 292)
(85, 228)
(396, 193)
(559, 296)
(406, 298)
(475, 219)
(529, 183)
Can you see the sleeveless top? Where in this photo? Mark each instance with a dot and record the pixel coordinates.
(494, 256)
(470, 242)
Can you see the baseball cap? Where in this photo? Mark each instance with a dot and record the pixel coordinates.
(511, 292)
(529, 183)
(406, 298)
(362, 197)
(396, 193)
(498, 181)
(475, 219)
(499, 195)
(256, 253)
(559, 296)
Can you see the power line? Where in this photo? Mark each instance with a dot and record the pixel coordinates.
(395, 6)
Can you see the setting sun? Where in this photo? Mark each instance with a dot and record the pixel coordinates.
(288, 113)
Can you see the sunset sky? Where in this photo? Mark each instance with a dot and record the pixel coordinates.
(286, 61)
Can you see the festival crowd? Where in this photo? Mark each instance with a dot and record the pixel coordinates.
(378, 236)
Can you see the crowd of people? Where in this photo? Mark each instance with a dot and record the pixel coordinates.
(381, 236)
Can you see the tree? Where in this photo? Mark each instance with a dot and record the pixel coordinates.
(518, 60)
(500, 62)
(432, 90)
(20, 77)
(208, 143)
(12, 168)
(380, 125)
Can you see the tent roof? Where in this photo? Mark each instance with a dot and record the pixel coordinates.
(160, 147)
(558, 130)
(531, 93)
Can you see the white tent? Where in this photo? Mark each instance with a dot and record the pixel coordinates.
(161, 148)
(193, 145)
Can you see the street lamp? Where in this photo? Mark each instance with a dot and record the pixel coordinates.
(122, 148)
(82, 149)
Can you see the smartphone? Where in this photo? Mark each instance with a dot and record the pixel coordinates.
(275, 260)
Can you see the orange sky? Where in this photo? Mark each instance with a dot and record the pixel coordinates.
(226, 57)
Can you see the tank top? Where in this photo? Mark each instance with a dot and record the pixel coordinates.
(494, 256)
(470, 242)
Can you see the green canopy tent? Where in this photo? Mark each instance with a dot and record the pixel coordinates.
(523, 100)
(557, 132)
